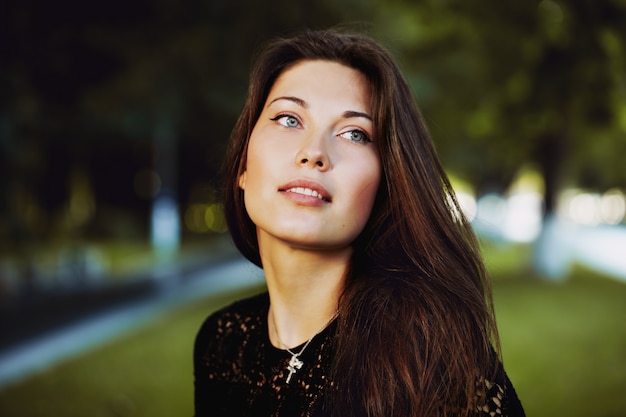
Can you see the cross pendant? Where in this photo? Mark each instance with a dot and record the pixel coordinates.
(294, 365)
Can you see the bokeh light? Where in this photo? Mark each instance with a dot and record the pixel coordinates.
(592, 209)
(205, 218)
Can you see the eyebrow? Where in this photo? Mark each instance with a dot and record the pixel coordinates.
(347, 114)
(296, 100)
(350, 113)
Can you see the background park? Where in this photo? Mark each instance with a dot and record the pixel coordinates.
(113, 121)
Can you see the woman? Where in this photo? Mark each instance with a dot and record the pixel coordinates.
(378, 303)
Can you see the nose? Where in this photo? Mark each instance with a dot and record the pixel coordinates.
(314, 154)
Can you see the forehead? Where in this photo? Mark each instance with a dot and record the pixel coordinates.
(322, 79)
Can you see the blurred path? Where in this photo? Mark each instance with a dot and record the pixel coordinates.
(601, 248)
(36, 355)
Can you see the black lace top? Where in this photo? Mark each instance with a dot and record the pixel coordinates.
(238, 372)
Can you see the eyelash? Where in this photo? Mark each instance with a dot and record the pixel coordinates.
(285, 116)
(366, 137)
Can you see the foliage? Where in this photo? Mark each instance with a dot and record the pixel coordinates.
(97, 89)
(117, 88)
(517, 83)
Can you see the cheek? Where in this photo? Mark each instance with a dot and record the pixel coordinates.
(365, 200)
(256, 181)
(260, 155)
(372, 179)
(253, 168)
(366, 190)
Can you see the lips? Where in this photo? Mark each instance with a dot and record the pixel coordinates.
(306, 191)
(307, 188)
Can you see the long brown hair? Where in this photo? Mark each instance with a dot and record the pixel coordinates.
(416, 322)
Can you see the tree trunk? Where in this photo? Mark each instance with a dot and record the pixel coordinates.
(551, 257)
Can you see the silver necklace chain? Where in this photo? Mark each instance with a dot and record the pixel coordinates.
(295, 363)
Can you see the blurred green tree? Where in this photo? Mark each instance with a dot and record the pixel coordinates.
(507, 84)
(502, 85)
(101, 85)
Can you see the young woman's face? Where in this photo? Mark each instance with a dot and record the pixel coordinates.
(312, 171)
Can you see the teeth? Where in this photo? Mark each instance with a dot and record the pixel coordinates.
(305, 191)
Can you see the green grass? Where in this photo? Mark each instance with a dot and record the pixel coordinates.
(564, 342)
(564, 347)
(146, 373)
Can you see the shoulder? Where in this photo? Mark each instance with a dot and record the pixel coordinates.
(497, 397)
(240, 311)
(248, 306)
(237, 317)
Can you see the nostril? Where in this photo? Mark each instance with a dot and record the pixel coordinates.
(319, 164)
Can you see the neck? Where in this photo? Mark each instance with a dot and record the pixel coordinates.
(304, 288)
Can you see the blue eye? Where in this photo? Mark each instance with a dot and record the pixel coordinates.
(357, 136)
(287, 120)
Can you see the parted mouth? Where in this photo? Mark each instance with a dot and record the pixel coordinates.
(307, 191)
(308, 188)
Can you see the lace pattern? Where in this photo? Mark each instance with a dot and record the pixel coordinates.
(239, 373)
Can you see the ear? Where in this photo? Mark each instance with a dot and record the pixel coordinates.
(242, 180)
